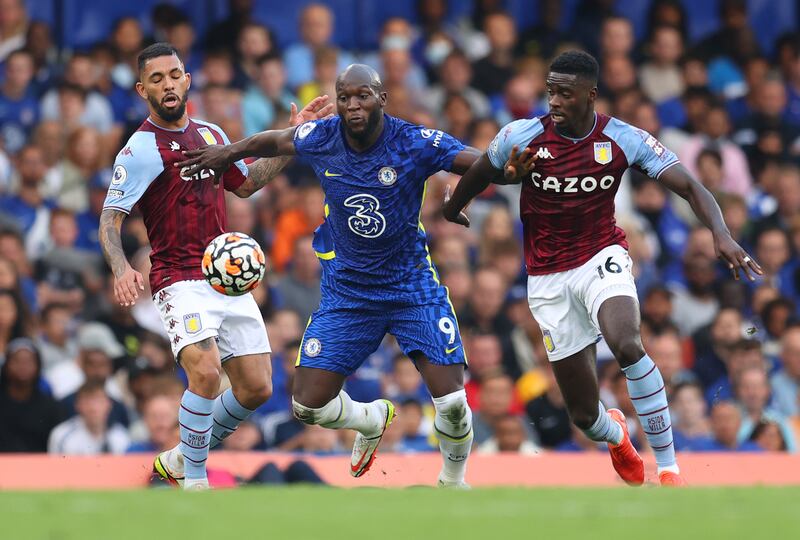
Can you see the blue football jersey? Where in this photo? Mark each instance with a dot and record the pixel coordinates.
(372, 234)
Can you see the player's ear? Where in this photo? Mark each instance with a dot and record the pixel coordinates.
(188, 81)
(140, 90)
(592, 94)
(382, 97)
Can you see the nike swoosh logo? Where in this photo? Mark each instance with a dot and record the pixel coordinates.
(448, 351)
(328, 173)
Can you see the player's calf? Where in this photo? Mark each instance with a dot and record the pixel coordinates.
(453, 427)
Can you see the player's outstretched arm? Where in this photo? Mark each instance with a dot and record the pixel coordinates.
(127, 281)
(259, 173)
(518, 165)
(678, 180)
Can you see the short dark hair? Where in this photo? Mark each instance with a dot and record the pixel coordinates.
(154, 51)
(579, 63)
(91, 387)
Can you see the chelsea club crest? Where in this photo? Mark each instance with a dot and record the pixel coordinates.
(387, 176)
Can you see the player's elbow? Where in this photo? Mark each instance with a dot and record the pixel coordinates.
(242, 192)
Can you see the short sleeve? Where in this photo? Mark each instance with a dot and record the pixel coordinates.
(641, 149)
(443, 148)
(136, 166)
(312, 137)
(236, 173)
(519, 133)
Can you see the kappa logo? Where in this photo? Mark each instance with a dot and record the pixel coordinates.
(176, 339)
(169, 307)
(544, 153)
(126, 151)
(162, 295)
(174, 146)
(172, 323)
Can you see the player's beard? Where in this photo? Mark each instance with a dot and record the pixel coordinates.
(372, 123)
(169, 115)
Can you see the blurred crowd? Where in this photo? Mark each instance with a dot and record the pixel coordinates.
(83, 375)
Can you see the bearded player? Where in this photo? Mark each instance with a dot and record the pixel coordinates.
(377, 273)
(579, 273)
(183, 212)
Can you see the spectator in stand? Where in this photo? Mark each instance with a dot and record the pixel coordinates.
(180, 33)
(254, 41)
(616, 37)
(325, 73)
(299, 288)
(80, 74)
(543, 39)
(28, 208)
(660, 77)
(769, 436)
(19, 108)
(404, 381)
(509, 436)
(83, 162)
(223, 34)
(300, 219)
(714, 133)
(617, 74)
(316, 31)
(267, 97)
(753, 394)
(13, 27)
(89, 433)
(128, 40)
(695, 305)
(455, 74)
(160, 414)
(787, 194)
(792, 75)
(415, 434)
(691, 427)
(397, 36)
(56, 342)
(27, 412)
(713, 345)
(521, 99)
(12, 250)
(493, 71)
(772, 252)
(39, 42)
(496, 401)
(785, 383)
(664, 347)
(726, 421)
(744, 354)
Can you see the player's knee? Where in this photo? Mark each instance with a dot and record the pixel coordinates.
(307, 415)
(453, 410)
(205, 376)
(255, 395)
(627, 350)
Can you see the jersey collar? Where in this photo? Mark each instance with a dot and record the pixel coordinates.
(181, 130)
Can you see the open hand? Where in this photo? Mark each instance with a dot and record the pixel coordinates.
(215, 157)
(460, 218)
(317, 109)
(737, 258)
(127, 286)
(519, 165)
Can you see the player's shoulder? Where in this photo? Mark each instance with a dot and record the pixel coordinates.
(615, 128)
(209, 131)
(142, 144)
(523, 130)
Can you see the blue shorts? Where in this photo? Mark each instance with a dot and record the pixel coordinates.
(340, 337)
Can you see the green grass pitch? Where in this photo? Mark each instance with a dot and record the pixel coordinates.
(410, 514)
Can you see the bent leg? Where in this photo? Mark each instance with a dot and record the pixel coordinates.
(251, 386)
(577, 378)
(453, 420)
(618, 318)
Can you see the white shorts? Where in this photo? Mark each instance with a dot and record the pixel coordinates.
(565, 304)
(192, 311)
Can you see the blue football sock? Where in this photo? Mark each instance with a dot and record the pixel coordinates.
(195, 422)
(604, 429)
(228, 414)
(646, 388)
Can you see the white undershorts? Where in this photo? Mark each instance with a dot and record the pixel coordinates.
(565, 304)
(192, 311)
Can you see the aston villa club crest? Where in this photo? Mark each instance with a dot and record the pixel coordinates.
(192, 323)
(602, 152)
(548, 341)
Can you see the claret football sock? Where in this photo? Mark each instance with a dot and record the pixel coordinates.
(195, 422)
(604, 429)
(228, 413)
(646, 388)
(453, 428)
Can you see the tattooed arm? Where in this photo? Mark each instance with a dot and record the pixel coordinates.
(126, 279)
(260, 172)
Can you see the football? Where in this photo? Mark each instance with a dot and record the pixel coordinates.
(233, 264)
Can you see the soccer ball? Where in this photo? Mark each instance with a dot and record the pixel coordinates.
(233, 264)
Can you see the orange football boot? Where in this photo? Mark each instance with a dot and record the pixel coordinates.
(625, 458)
(669, 478)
